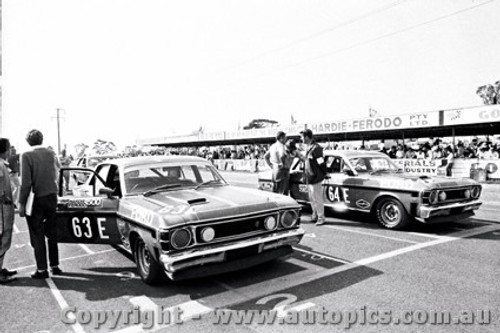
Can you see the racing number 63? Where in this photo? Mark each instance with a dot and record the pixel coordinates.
(83, 229)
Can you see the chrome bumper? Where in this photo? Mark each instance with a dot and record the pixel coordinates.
(217, 253)
(447, 210)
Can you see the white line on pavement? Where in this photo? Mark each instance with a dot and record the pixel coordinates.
(370, 234)
(426, 235)
(321, 255)
(16, 229)
(66, 259)
(86, 249)
(273, 286)
(63, 305)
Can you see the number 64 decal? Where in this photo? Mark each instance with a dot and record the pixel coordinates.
(283, 307)
(83, 228)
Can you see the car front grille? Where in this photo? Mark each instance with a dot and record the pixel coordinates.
(453, 195)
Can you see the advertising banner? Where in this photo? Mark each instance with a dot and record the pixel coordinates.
(419, 166)
(408, 121)
(482, 114)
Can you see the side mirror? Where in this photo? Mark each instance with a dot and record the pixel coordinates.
(107, 191)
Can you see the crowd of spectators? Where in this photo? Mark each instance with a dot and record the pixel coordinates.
(433, 148)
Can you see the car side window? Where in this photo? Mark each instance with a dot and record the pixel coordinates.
(113, 181)
(103, 172)
(334, 164)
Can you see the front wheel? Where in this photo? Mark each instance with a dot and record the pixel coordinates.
(391, 214)
(149, 270)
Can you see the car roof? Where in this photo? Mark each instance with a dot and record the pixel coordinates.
(353, 153)
(126, 162)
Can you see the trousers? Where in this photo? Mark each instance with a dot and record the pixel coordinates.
(317, 202)
(281, 181)
(6, 227)
(41, 224)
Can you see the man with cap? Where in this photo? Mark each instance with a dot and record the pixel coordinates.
(6, 211)
(38, 175)
(314, 174)
(274, 159)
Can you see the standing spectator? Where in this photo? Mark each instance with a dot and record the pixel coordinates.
(314, 172)
(400, 152)
(65, 163)
(392, 152)
(274, 159)
(14, 175)
(7, 208)
(38, 175)
(449, 160)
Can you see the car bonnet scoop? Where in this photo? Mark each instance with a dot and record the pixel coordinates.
(197, 201)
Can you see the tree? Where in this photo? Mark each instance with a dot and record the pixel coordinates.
(260, 123)
(102, 147)
(489, 93)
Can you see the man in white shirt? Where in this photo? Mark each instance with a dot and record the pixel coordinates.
(274, 158)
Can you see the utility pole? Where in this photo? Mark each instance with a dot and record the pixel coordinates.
(59, 130)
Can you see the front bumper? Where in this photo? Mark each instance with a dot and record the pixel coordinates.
(455, 211)
(240, 251)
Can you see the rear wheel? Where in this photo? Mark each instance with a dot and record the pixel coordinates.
(149, 270)
(392, 214)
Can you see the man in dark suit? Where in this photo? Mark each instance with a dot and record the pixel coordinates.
(38, 175)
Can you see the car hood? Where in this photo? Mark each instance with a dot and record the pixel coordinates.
(400, 181)
(171, 208)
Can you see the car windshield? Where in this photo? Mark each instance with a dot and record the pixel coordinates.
(373, 164)
(170, 177)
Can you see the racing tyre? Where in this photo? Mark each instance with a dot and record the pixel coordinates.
(149, 270)
(391, 214)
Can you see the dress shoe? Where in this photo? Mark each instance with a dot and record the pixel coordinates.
(7, 272)
(40, 275)
(56, 270)
(6, 279)
(320, 222)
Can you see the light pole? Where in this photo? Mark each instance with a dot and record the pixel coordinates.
(58, 131)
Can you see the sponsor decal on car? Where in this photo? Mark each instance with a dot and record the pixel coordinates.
(84, 203)
(363, 204)
(303, 188)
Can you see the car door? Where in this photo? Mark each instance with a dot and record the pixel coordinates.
(340, 186)
(88, 212)
(298, 189)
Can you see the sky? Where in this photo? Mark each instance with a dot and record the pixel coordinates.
(135, 69)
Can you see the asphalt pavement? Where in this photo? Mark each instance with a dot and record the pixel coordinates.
(347, 274)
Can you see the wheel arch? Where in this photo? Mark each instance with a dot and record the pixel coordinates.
(386, 195)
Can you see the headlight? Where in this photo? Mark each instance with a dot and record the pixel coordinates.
(289, 219)
(442, 195)
(180, 238)
(475, 192)
(467, 194)
(433, 197)
(270, 223)
(207, 234)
